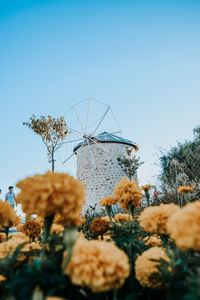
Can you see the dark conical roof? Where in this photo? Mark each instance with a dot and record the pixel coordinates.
(106, 137)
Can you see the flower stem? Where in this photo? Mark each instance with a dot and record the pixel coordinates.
(106, 296)
(131, 210)
(165, 240)
(47, 226)
(147, 197)
(37, 294)
(70, 239)
(109, 211)
(115, 295)
(187, 197)
(7, 231)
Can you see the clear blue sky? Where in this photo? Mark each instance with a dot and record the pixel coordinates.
(140, 57)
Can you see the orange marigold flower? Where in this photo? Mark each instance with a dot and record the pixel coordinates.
(41, 221)
(9, 247)
(123, 217)
(32, 228)
(98, 265)
(28, 248)
(2, 237)
(136, 148)
(54, 298)
(154, 218)
(108, 201)
(100, 226)
(106, 237)
(72, 219)
(8, 217)
(128, 193)
(2, 278)
(19, 235)
(184, 227)
(31, 246)
(153, 240)
(146, 270)
(56, 228)
(146, 187)
(185, 189)
(20, 227)
(52, 193)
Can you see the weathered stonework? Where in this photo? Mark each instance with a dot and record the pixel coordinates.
(101, 181)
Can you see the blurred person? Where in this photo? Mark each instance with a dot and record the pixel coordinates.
(10, 196)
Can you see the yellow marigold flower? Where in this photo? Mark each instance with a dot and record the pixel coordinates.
(106, 218)
(185, 189)
(153, 240)
(28, 248)
(2, 236)
(2, 278)
(41, 221)
(54, 298)
(31, 246)
(146, 187)
(123, 218)
(184, 227)
(145, 267)
(52, 193)
(99, 226)
(154, 218)
(32, 228)
(56, 228)
(19, 235)
(9, 246)
(128, 193)
(108, 201)
(20, 227)
(106, 237)
(98, 265)
(72, 219)
(8, 217)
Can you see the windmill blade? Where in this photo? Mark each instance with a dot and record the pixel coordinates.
(101, 120)
(68, 158)
(116, 132)
(67, 142)
(84, 117)
(117, 123)
(78, 118)
(73, 131)
(75, 152)
(86, 125)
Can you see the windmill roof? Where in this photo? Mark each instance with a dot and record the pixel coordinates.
(106, 137)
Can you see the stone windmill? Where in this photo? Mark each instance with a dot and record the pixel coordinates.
(96, 153)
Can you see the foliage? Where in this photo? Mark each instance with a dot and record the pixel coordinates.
(181, 165)
(47, 274)
(48, 265)
(129, 163)
(52, 131)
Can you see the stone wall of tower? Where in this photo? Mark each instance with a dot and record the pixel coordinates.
(101, 181)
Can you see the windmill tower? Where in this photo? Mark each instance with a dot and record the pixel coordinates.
(98, 149)
(102, 174)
